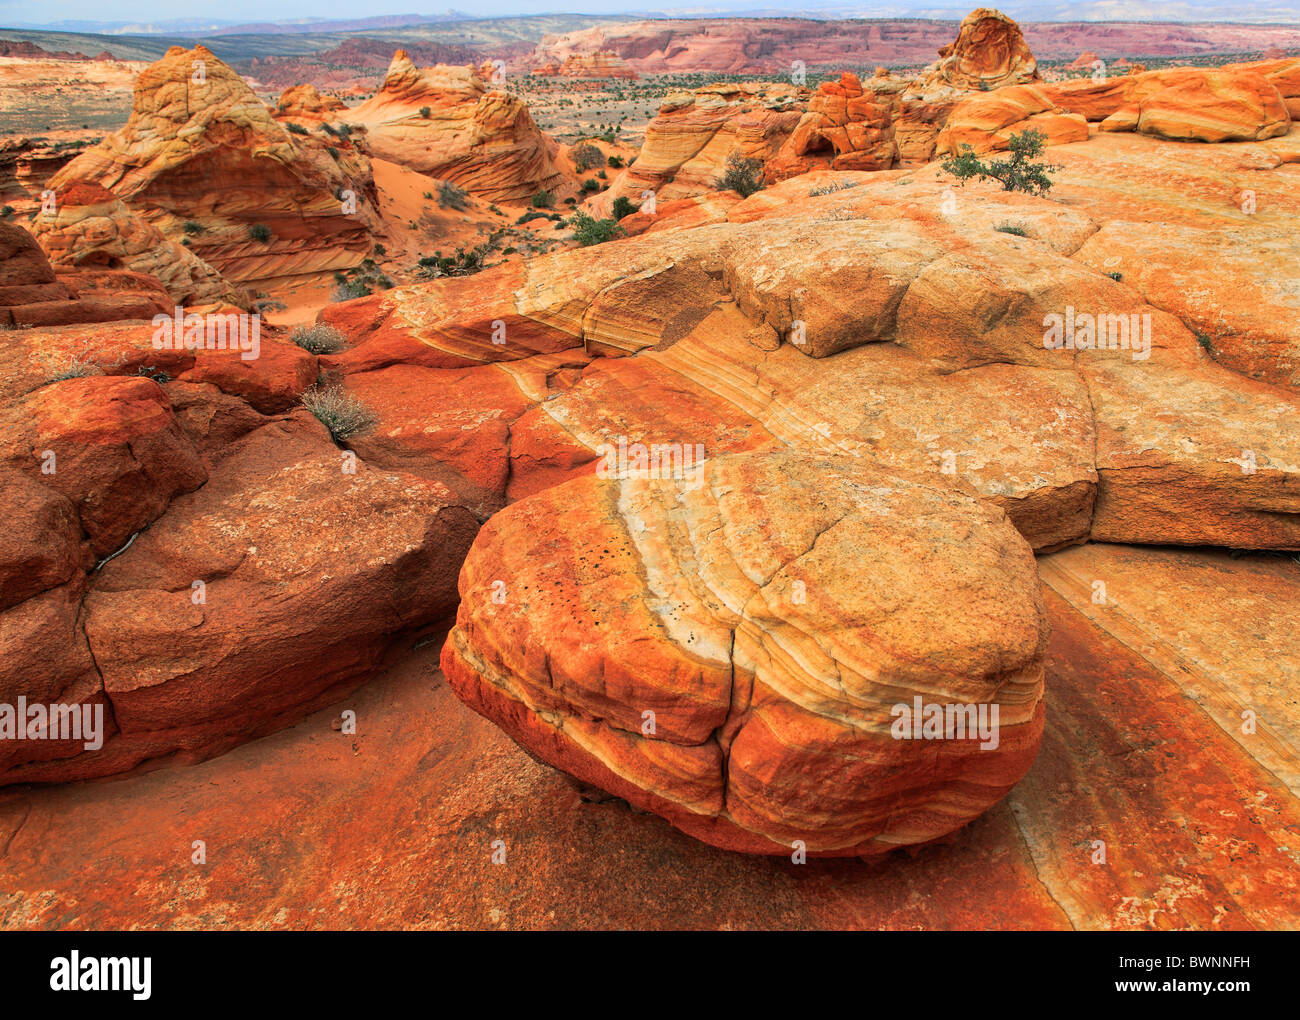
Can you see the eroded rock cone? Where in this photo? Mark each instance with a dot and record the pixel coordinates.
(728, 650)
(203, 158)
(444, 121)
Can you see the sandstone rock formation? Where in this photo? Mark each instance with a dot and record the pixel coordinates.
(763, 679)
(445, 122)
(687, 145)
(92, 227)
(200, 148)
(304, 103)
(590, 65)
(32, 294)
(1238, 102)
(987, 121)
(989, 52)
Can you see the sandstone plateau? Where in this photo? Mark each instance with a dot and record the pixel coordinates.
(643, 545)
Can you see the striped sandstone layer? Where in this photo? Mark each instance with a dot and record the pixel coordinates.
(696, 647)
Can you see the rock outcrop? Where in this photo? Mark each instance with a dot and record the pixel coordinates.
(445, 122)
(1238, 102)
(989, 52)
(202, 158)
(687, 145)
(33, 294)
(695, 647)
(92, 227)
(590, 65)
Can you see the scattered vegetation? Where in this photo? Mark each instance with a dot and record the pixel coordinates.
(359, 282)
(544, 200)
(192, 228)
(623, 207)
(1012, 228)
(318, 339)
(532, 214)
(1205, 340)
(6, 211)
(585, 156)
(341, 412)
(591, 184)
(296, 129)
(588, 230)
(614, 162)
(830, 189)
(463, 263)
(1117, 277)
(260, 232)
(452, 197)
(78, 368)
(156, 374)
(743, 175)
(1014, 174)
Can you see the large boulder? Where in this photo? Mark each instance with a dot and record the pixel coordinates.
(739, 648)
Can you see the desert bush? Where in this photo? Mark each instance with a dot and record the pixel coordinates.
(191, 228)
(585, 156)
(1117, 277)
(341, 412)
(79, 367)
(543, 200)
(830, 189)
(318, 339)
(591, 184)
(296, 129)
(623, 207)
(588, 231)
(1014, 174)
(614, 162)
(532, 214)
(425, 112)
(743, 175)
(452, 197)
(260, 232)
(6, 211)
(1012, 228)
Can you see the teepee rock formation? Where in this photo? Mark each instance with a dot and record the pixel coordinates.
(444, 121)
(202, 157)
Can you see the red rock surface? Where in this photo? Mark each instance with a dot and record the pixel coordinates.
(1194, 816)
(32, 294)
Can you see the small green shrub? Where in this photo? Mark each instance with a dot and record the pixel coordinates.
(588, 231)
(260, 232)
(1117, 277)
(743, 175)
(623, 207)
(341, 412)
(452, 197)
(614, 162)
(590, 184)
(585, 156)
(1014, 174)
(192, 228)
(318, 339)
(296, 129)
(543, 200)
(425, 112)
(1012, 228)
